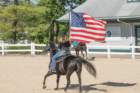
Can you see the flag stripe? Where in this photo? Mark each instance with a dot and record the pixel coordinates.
(83, 39)
(93, 23)
(85, 34)
(102, 21)
(89, 37)
(84, 31)
(88, 18)
(86, 41)
(95, 28)
(87, 29)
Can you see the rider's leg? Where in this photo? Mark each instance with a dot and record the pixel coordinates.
(53, 63)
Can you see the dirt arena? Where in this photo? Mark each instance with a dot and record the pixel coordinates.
(24, 74)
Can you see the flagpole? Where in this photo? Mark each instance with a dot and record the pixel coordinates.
(70, 5)
(69, 23)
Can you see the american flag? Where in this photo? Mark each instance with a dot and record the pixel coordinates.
(85, 28)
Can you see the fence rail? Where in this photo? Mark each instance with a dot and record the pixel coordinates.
(5, 48)
(133, 51)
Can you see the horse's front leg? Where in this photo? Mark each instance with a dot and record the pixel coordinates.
(79, 79)
(77, 52)
(44, 81)
(82, 53)
(68, 75)
(86, 54)
(57, 81)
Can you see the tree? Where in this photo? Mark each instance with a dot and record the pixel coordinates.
(54, 10)
(22, 19)
(29, 19)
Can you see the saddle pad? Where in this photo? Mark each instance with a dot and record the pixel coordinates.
(61, 66)
(60, 62)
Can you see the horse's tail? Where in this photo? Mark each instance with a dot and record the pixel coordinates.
(89, 67)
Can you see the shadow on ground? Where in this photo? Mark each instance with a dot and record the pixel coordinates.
(93, 87)
(116, 84)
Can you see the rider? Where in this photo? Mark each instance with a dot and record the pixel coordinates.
(61, 51)
(75, 43)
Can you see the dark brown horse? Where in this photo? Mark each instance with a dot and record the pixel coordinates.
(66, 66)
(81, 48)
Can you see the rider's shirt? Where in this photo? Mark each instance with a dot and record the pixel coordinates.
(65, 46)
(75, 43)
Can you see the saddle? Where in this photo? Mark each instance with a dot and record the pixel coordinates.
(60, 62)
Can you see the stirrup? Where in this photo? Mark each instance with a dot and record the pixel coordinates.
(51, 71)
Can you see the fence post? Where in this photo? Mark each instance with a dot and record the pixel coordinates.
(87, 51)
(2, 47)
(133, 51)
(108, 52)
(32, 49)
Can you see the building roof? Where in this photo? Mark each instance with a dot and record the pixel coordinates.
(108, 9)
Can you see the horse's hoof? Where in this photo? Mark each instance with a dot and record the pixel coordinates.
(65, 90)
(44, 87)
(56, 89)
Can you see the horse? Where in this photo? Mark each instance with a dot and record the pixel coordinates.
(68, 65)
(81, 47)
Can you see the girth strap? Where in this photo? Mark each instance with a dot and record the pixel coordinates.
(61, 66)
(61, 63)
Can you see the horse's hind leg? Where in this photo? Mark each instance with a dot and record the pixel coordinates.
(86, 51)
(69, 72)
(82, 53)
(79, 78)
(77, 52)
(58, 78)
(86, 54)
(44, 81)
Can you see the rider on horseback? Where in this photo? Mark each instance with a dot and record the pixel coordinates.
(75, 44)
(63, 50)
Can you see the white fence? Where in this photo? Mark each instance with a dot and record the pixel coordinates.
(5, 48)
(133, 51)
(106, 50)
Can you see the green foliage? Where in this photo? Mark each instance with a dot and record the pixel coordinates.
(54, 8)
(30, 21)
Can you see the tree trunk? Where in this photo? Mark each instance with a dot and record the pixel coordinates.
(15, 37)
(16, 2)
(29, 2)
(57, 30)
(52, 31)
(15, 31)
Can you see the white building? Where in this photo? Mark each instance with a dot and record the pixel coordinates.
(122, 16)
